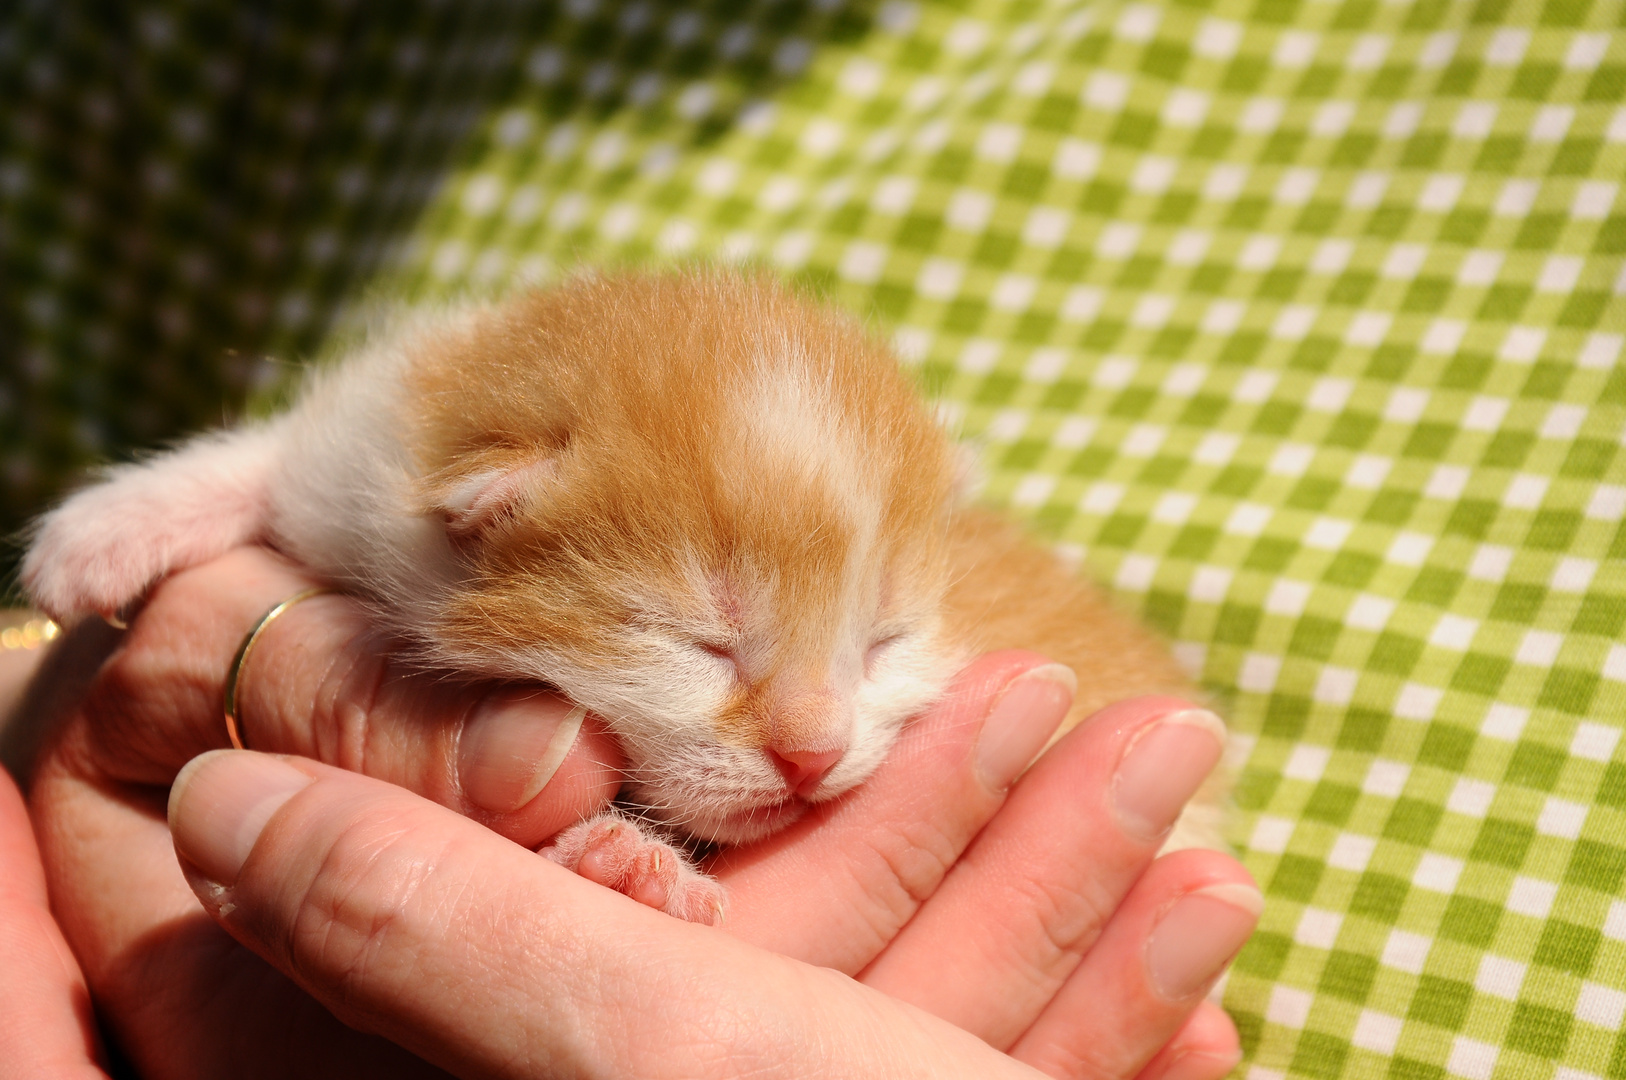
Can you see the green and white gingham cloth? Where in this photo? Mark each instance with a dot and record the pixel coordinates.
(1298, 323)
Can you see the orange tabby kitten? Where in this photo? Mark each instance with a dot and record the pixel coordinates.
(710, 511)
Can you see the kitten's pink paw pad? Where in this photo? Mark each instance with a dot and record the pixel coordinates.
(616, 853)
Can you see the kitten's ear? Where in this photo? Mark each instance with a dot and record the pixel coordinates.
(472, 504)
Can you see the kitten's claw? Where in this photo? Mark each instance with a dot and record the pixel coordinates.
(613, 851)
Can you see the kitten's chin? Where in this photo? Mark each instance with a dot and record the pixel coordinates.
(748, 824)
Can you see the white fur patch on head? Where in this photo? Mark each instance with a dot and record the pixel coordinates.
(786, 416)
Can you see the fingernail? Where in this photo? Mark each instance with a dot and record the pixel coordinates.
(219, 805)
(1022, 721)
(512, 746)
(1198, 936)
(1163, 768)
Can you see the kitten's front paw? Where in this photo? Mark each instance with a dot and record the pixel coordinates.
(106, 545)
(612, 850)
(82, 564)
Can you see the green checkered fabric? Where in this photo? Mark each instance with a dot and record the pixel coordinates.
(186, 186)
(1298, 323)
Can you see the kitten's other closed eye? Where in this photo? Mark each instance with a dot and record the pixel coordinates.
(879, 648)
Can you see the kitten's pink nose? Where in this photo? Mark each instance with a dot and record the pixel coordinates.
(803, 769)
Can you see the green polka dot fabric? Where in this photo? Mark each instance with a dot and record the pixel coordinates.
(1297, 323)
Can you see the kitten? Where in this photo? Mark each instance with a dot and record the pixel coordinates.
(712, 512)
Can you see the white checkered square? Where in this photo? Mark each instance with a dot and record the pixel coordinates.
(1471, 1059)
(1377, 1032)
(1595, 742)
(1318, 928)
(1406, 951)
(1352, 852)
(1504, 721)
(1271, 834)
(1601, 1005)
(1437, 873)
(1471, 798)
(1531, 897)
(1500, 977)
(1307, 763)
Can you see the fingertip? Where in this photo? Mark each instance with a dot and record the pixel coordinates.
(1207, 1047)
(1163, 766)
(585, 782)
(1021, 721)
(221, 802)
(183, 782)
(1134, 712)
(1211, 1030)
(986, 677)
(1196, 937)
(1009, 702)
(513, 744)
(1204, 867)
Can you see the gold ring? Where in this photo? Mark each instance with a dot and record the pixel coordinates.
(234, 730)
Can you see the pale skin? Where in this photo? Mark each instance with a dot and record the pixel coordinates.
(948, 918)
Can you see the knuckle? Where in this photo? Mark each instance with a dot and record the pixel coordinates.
(355, 923)
(149, 709)
(344, 701)
(1073, 914)
(1046, 928)
(914, 864)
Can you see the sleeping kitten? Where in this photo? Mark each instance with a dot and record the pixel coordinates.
(710, 511)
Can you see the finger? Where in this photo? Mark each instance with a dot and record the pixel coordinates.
(836, 887)
(1163, 949)
(1031, 895)
(322, 683)
(179, 997)
(412, 922)
(1205, 1048)
(46, 1022)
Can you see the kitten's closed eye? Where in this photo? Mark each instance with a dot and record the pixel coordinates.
(724, 653)
(878, 650)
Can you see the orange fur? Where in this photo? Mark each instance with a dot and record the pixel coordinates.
(1009, 593)
(629, 388)
(625, 378)
(628, 382)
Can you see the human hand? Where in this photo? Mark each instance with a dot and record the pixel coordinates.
(412, 922)
(1034, 914)
(46, 1024)
(389, 909)
(318, 685)
(176, 994)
